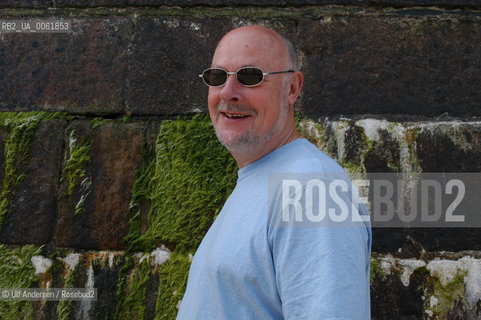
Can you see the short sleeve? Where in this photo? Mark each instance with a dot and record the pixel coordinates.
(321, 270)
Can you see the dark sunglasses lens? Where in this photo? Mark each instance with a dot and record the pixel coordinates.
(250, 76)
(215, 77)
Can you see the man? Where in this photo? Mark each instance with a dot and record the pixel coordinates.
(255, 262)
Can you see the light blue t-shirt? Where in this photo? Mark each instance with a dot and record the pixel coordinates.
(251, 266)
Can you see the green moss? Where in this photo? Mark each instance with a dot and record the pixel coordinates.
(353, 168)
(17, 271)
(410, 137)
(190, 179)
(375, 270)
(74, 172)
(20, 127)
(95, 122)
(122, 284)
(408, 161)
(185, 182)
(367, 147)
(448, 294)
(141, 191)
(173, 279)
(318, 135)
(132, 290)
(125, 119)
(64, 307)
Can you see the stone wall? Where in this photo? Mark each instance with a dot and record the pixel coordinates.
(110, 173)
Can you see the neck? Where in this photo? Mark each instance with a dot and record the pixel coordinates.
(245, 158)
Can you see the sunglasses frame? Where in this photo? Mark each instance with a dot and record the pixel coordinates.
(264, 74)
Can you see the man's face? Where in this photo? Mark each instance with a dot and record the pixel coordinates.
(248, 117)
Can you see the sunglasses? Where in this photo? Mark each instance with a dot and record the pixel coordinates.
(247, 76)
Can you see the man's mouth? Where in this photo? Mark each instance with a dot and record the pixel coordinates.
(231, 115)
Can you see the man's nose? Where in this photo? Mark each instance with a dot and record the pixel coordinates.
(231, 90)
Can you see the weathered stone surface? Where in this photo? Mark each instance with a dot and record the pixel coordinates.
(25, 4)
(87, 3)
(443, 3)
(386, 240)
(3, 136)
(449, 239)
(438, 287)
(82, 71)
(277, 3)
(168, 54)
(354, 140)
(384, 156)
(390, 299)
(424, 64)
(413, 242)
(382, 146)
(106, 282)
(115, 155)
(151, 296)
(449, 147)
(32, 211)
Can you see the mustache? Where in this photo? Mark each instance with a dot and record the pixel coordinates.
(238, 108)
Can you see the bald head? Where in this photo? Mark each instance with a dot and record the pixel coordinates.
(261, 38)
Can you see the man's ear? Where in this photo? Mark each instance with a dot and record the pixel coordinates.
(295, 85)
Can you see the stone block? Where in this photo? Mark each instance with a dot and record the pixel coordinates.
(391, 299)
(168, 54)
(3, 136)
(96, 214)
(32, 210)
(88, 3)
(389, 239)
(25, 4)
(417, 63)
(384, 156)
(447, 239)
(449, 147)
(80, 72)
(261, 3)
(440, 3)
(413, 242)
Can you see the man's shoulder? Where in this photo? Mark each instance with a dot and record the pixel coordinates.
(303, 156)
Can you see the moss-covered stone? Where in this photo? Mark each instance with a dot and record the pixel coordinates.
(74, 172)
(176, 197)
(442, 298)
(131, 294)
(64, 307)
(173, 280)
(20, 127)
(95, 122)
(17, 271)
(79, 156)
(375, 270)
(319, 134)
(192, 176)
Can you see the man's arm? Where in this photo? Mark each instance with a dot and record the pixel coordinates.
(322, 270)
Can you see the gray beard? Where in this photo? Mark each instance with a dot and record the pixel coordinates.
(248, 141)
(244, 142)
